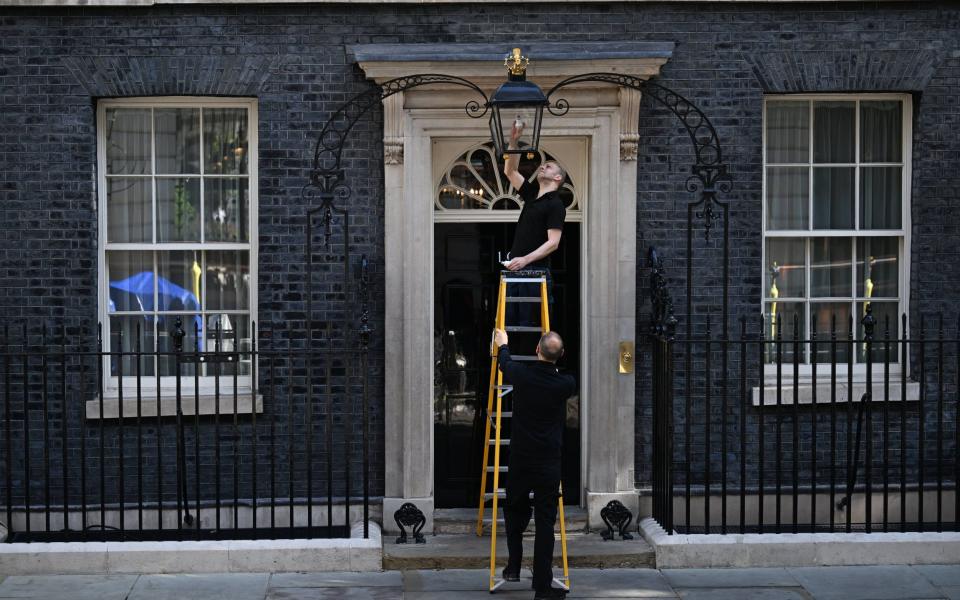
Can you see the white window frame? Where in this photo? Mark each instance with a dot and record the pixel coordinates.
(148, 384)
(859, 369)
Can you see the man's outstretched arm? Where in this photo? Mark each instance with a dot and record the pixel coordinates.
(513, 160)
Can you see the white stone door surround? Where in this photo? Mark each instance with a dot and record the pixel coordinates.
(602, 114)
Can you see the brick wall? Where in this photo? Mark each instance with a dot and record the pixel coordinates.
(55, 63)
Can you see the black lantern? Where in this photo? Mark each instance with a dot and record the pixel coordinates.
(517, 105)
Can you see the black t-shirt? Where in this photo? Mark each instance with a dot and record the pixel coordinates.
(538, 215)
(540, 393)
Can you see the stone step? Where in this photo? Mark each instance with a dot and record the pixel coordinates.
(464, 520)
(467, 551)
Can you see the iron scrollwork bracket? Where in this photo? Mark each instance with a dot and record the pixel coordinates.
(708, 173)
(408, 514)
(615, 514)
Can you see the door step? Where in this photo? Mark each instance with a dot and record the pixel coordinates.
(467, 551)
(464, 520)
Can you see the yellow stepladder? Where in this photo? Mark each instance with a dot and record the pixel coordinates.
(495, 415)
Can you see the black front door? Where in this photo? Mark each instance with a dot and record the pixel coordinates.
(466, 275)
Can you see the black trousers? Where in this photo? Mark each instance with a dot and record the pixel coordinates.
(544, 481)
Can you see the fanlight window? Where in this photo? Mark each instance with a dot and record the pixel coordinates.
(475, 181)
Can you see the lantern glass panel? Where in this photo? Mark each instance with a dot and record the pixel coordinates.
(528, 118)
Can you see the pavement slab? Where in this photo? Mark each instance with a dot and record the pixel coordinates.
(940, 575)
(729, 578)
(619, 583)
(335, 593)
(74, 587)
(753, 593)
(344, 579)
(895, 582)
(951, 592)
(214, 586)
(448, 580)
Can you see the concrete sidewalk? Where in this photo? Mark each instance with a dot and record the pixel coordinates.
(819, 583)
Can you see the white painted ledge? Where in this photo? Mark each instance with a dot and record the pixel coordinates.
(826, 394)
(799, 549)
(190, 404)
(346, 554)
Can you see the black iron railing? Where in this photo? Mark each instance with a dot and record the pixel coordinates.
(257, 437)
(845, 430)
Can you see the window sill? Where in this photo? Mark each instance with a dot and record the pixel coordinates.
(168, 405)
(825, 394)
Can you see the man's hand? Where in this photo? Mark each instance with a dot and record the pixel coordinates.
(515, 133)
(517, 263)
(499, 337)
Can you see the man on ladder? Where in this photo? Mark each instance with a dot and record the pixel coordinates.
(541, 221)
(540, 393)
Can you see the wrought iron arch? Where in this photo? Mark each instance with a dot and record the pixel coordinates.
(709, 175)
(327, 178)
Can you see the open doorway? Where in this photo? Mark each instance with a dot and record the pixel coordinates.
(466, 276)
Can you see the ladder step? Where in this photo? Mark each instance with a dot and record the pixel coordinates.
(501, 493)
(502, 469)
(503, 442)
(523, 299)
(523, 328)
(523, 279)
(504, 414)
(525, 357)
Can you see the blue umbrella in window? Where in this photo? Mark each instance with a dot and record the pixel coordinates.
(136, 293)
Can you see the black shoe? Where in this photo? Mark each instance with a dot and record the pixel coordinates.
(509, 575)
(550, 593)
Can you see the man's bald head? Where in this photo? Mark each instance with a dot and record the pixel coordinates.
(551, 346)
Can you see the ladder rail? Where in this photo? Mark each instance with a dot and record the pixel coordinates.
(501, 316)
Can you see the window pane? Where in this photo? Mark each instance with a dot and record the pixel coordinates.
(831, 319)
(178, 210)
(128, 210)
(784, 276)
(225, 140)
(131, 281)
(178, 284)
(788, 132)
(780, 318)
(227, 205)
(192, 342)
(831, 265)
(126, 328)
(128, 141)
(233, 332)
(878, 268)
(228, 280)
(833, 198)
(178, 140)
(880, 198)
(787, 197)
(481, 159)
(884, 313)
(833, 127)
(881, 131)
